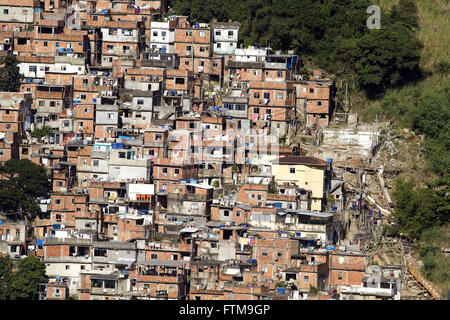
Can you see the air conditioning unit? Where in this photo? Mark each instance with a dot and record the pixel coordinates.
(7, 40)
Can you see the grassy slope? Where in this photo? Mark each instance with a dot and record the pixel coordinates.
(434, 21)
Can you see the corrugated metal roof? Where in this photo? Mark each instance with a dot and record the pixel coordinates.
(165, 263)
(189, 229)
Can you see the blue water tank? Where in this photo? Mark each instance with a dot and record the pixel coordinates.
(330, 160)
(277, 204)
(163, 50)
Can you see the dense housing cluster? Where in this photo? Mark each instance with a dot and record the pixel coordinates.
(173, 170)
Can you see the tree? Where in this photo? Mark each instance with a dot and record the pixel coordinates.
(431, 117)
(42, 132)
(25, 283)
(386, 58)
(9, 74)
(5, 277)
(23, 181)
(417, 209)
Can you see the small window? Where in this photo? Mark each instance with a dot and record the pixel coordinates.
(292, 170)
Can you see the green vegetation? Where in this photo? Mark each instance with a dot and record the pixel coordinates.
(436, 264)
(331, 34)
(157, 237)
(418, 208)
(42, 132)
(313, 290)
(23, 283)
(9, 74)
(22, 182)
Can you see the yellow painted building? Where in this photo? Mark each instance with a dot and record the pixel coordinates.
(306, 172)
